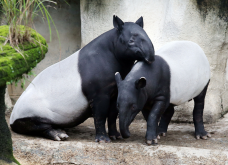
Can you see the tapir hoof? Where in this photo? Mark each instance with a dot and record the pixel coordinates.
(102, 139)
(203, 137)
(115, 136)
(152, 142)
(162, 134)
(56, 134)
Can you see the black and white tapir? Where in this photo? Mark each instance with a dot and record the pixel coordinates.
(180, 72)
(83, 85)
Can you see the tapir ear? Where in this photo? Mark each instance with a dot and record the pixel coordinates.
(140, 22)
(117, 23)
(118, 78)
(140, 83)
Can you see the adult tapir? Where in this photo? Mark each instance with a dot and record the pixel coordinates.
(82, 85)
(180, 72)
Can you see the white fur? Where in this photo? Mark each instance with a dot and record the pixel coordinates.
(55, 94)
(189, 67)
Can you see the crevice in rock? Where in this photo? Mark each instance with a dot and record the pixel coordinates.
(220, 6)
(222, 110)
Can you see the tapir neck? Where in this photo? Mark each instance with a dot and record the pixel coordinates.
(104, 42)
(157, 76)
(107, 42)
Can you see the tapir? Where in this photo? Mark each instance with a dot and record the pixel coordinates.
(179, 73)
(82, 85)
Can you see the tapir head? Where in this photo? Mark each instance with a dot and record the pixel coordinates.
(131, 99)
(133, 43)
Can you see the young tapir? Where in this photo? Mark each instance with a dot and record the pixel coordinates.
(180, 72)
(82, 85)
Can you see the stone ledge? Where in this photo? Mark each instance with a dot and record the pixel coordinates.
(179, 147)
(49, 152)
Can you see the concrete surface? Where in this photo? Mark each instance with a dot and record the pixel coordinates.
(166, 21)
(179, 147)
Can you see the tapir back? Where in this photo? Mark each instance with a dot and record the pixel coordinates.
(55, 94)
(189, 67)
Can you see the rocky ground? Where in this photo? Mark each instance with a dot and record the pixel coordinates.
(178, 147)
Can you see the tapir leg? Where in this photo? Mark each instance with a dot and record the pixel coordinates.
(38, 126)
(198, 115)
(152, 121)
(112, 116)
(165, 120)
(100, 106)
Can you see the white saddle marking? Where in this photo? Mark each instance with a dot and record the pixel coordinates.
(189, 67)
(55, 94)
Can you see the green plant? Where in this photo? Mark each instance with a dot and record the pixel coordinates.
(12, 64)
(22, 12)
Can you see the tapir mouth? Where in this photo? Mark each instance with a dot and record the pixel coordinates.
(143, 56)
(140, 54)
(149, 62)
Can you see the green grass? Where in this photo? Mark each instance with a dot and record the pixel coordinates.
(22, 12)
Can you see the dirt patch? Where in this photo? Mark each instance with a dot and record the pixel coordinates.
(179, 147)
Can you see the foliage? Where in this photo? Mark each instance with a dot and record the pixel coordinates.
(17, 13)
(12, 63)
(22, 12)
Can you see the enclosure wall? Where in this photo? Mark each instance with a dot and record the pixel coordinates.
(166, 21)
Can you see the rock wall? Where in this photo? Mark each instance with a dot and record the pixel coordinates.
(166, 21)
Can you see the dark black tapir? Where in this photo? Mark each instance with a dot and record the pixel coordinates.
(180, 72)
(83, 85)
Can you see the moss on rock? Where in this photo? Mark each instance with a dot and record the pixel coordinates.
(14, 63)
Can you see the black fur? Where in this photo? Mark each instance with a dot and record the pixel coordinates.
(165, 119)
(100, 60)
(198, 113)
(153, 99)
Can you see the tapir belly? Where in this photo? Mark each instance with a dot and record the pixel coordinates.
(55, 94)
(189, 68)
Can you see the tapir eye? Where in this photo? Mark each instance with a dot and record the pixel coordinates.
(133, 107)
(117, 106)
